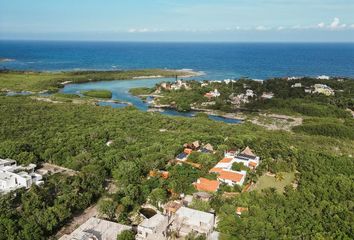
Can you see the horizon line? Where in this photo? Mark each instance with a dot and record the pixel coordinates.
(167, 41)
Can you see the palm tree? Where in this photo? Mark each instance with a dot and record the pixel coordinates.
(279, 177)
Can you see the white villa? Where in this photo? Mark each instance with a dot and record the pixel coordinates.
(13, 177)
(224, 171)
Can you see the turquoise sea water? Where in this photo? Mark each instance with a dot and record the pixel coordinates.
(217, 60)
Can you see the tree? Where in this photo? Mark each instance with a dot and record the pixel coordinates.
(279, 177)
(238, 166)
(126, 235)
(127, 172)
(157, 196)
(107, 207)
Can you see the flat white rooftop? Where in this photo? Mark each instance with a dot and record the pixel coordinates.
(96, 229)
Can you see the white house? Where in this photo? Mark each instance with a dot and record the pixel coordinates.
(187, 220)
(13, 177)
(296, 85)
(153, 228)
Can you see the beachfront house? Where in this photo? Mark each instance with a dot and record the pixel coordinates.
(153, 228)
(187, 220)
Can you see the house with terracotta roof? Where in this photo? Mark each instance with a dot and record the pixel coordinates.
(231, 177)
(204, 184)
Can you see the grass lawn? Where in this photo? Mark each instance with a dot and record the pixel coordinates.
(266, 181)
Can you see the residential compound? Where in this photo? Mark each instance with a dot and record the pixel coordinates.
(13, 176)
(225, 173)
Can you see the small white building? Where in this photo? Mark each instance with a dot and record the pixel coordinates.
(323, 77)
(153, 228)
(96, 229)
(187, 220)
(294, 78)
(296, 85)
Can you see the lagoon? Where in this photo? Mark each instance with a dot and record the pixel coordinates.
(120, 91)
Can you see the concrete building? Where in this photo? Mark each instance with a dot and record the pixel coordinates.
(153, 228)
(187, 220)
(96, 229)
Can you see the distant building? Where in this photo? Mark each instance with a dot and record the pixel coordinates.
(323, 89)
(296, 85)
(96, 229)
(187, 220)
(294, 78)
(153, 228)
(212, 94)
(323, 77)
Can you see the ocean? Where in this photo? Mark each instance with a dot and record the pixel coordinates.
(216, 60)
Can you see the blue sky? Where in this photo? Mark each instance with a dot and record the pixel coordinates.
(179, 20)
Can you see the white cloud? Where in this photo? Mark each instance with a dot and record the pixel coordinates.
(321, 25)
(280, 28)
(335, 23)
(144, 30)
(262, 28)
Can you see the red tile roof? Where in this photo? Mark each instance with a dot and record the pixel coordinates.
(225, 160)
(188, 151)
(233, 176)
(204, 184)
